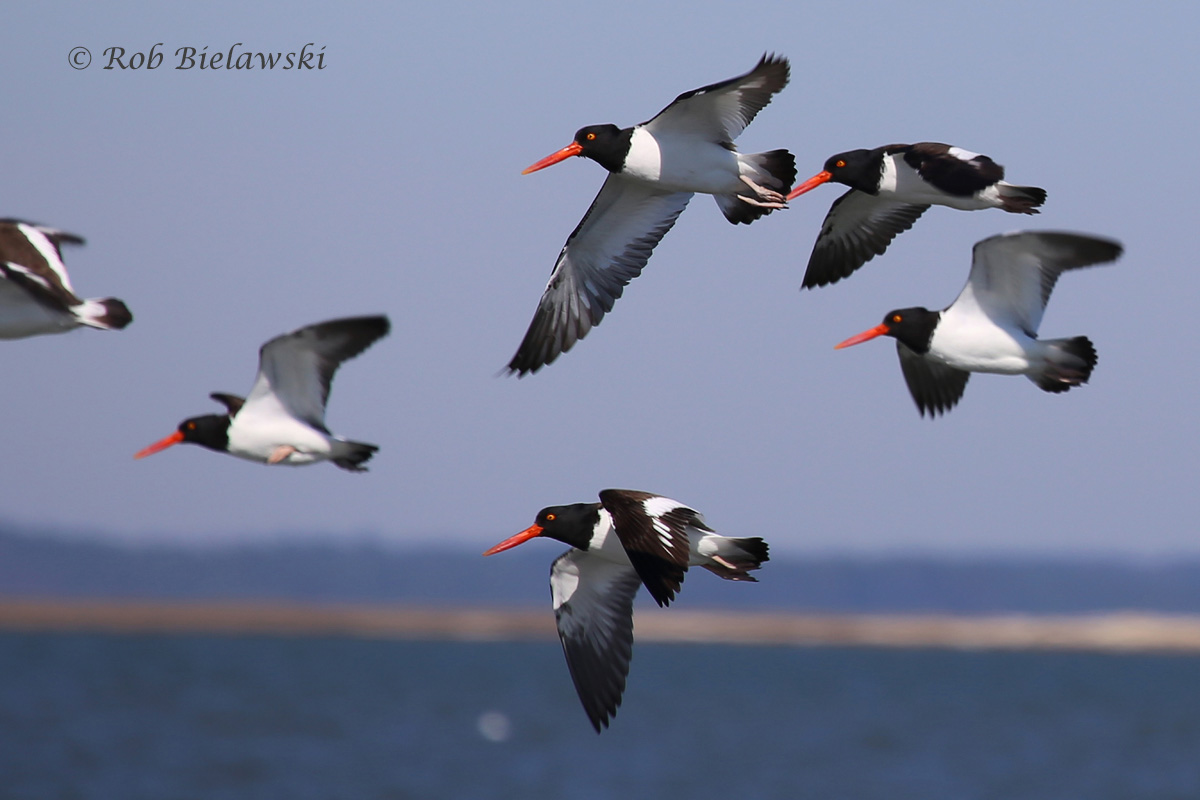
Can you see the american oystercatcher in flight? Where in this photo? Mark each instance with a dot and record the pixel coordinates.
(890, 187)
(593, 584)
(992, 326)
(283, 419)
(654, 169)
(35, 293)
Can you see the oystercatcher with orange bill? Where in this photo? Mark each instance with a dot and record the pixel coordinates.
(628, 539)
(35, 292)
(890, 187)
(283, 419)
(654, 169)
(992, 326)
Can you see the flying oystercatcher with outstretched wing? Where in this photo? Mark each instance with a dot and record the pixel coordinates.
(992, 325)
(283, 419)
(890, 187)
(628, 539)
(654, 169)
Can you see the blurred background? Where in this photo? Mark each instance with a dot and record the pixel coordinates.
(228, 206)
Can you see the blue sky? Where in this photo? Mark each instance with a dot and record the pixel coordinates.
(226, 207)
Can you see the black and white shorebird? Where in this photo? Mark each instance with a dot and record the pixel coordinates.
(654, 169)
(992, 325)
(283, 419)
(628, 539)
(35, 292)
(890, 187)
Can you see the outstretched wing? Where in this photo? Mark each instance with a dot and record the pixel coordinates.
(295, 370)
(857, 228)
(608, 249)
(935, 387)
(721, 111)
(593, 607)
(1013, 274)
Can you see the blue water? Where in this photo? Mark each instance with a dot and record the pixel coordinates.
(164, 717)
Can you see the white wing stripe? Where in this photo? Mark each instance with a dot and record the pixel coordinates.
(47, 251)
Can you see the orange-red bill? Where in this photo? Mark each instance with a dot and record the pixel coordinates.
(810, 184)
(878, 330)
(162, 444)
(573, 149)
(513, 541)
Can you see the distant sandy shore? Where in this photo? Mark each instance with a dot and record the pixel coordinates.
(1124, 632)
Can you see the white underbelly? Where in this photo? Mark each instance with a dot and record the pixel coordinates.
(260, 441)
(701, 166)
(991, 350)
(20, 316)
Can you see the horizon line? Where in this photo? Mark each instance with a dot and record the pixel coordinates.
(1110, 632)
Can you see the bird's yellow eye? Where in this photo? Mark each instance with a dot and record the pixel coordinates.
(591, 136)
(839, 163)
(191, 426)
(551, 517)
(896, 318)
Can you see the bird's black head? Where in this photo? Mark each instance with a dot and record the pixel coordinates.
(210, 430)
(858, 169)
(607, 145)
(571, 525)
(912, 326)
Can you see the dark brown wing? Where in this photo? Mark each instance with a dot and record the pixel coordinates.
(231, 401)
(30, 256)
(953, 170)
(654, 532)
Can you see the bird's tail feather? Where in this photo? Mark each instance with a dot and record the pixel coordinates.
(773, 171)
(1069, 362)
(352, 455)
(1021, 199)
(105, 313)
(733, 559)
